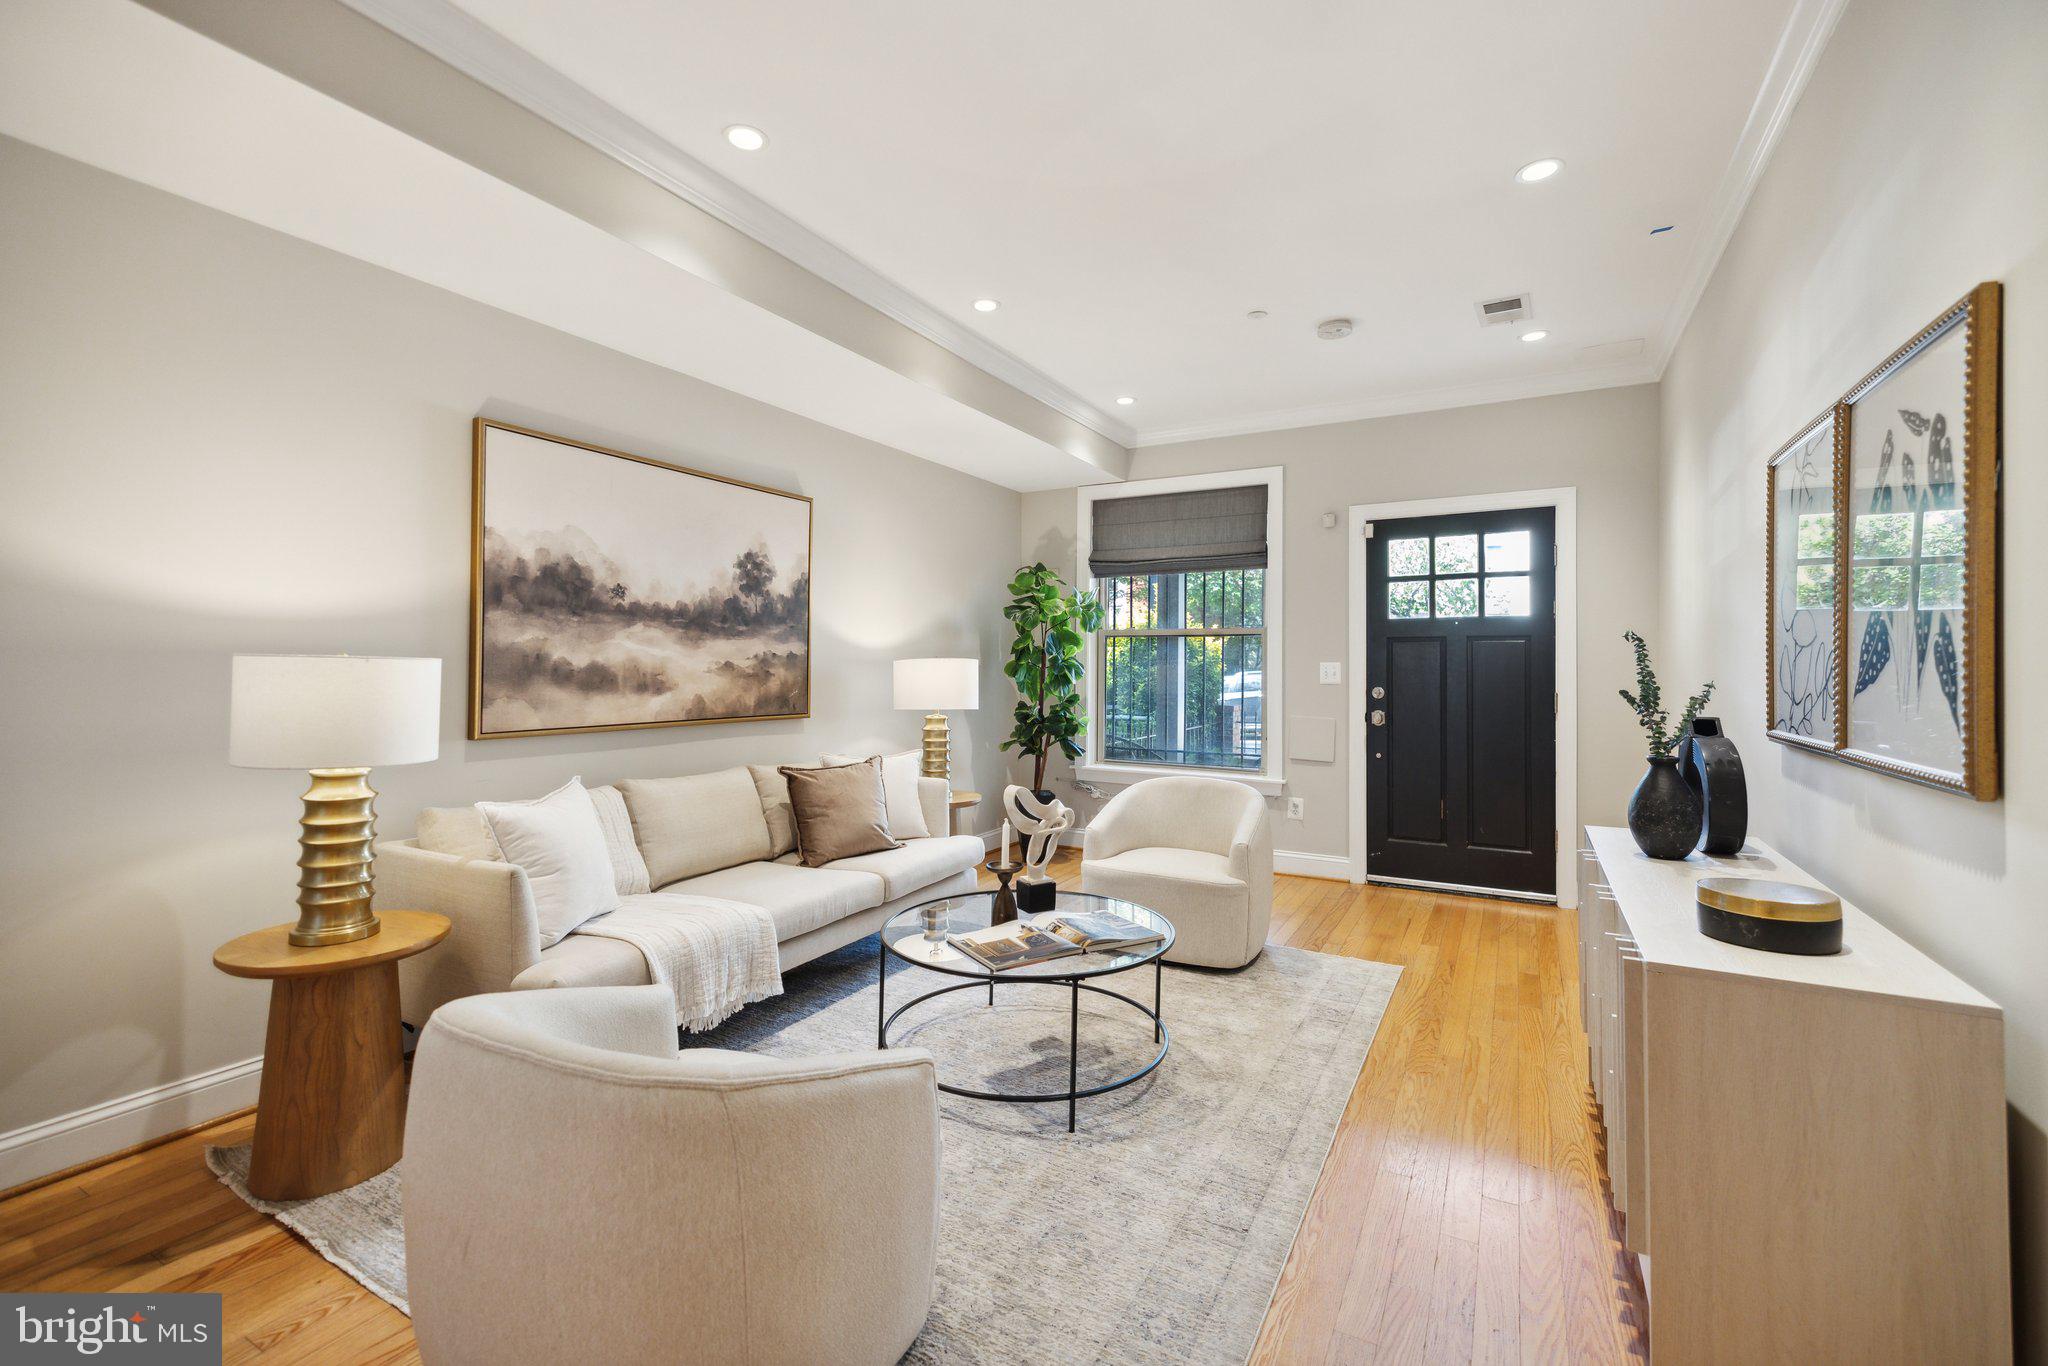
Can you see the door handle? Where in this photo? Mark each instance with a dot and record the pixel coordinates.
(1379, 717)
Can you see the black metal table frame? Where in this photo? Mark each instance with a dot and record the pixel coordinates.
(1073, 1095)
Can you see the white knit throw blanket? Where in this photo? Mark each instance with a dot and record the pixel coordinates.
(716, 956)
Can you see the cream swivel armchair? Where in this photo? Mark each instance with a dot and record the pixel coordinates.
(1196, 850)
(576, 1190)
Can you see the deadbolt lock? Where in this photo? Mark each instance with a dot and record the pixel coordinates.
(1378, 693)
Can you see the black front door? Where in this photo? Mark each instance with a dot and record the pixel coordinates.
(1461, 728)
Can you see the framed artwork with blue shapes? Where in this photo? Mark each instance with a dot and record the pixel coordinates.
(1916, 557)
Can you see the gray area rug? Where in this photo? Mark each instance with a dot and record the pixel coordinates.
(1174, 1205)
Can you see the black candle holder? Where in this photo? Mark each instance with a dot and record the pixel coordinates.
(1004, 908)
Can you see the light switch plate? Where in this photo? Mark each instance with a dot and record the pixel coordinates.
(1332, 673)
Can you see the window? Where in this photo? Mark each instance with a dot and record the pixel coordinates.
(1184, 673)
(1455, 576)
(1900, 560)
(1182, 659)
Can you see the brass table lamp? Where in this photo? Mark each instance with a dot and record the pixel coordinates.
(936, 686)
(336, 716)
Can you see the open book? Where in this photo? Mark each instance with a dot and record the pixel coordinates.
(1023, 942)
(1098, 931)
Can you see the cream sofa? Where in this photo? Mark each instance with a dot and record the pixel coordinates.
(713, 833)
(575, 1191)
(1197, 850)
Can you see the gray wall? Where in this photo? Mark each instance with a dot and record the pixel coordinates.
(218, 439)
(1604, 443)
(1876, 213)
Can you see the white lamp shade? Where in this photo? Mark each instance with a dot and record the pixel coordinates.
(938, 684)
(333, 711)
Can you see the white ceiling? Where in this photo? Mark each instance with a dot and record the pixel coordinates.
(1130, 179)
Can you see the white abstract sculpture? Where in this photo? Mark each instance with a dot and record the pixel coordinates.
(1039, 826)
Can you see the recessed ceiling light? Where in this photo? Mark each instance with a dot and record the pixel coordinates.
(1538, 335)
(1125, 400)
(746, 137)
(1539, 170)
(986, 305)
(1256, 314)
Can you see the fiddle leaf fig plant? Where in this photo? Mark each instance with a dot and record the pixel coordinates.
(1648, 701)
(1045, 664)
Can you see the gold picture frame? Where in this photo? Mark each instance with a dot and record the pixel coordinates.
(1887, 585)
(1803, 704)
(760, 589)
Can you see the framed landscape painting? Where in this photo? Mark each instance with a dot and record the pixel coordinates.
(1800, 611)
(1919, 562)
(611, 592)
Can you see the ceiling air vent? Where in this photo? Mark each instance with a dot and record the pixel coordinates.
(1512, 308)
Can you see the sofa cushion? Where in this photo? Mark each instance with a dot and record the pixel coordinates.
(775, 808)
(458, 830)
(899, 791)
(918, 863)
(698, 824)
(796, 898)
(559, 843)
(840, 811)
(586, 960)
(1177, 865)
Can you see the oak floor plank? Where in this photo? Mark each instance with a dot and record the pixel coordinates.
(1462, 1213)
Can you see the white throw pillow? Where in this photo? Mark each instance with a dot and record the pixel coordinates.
(899, 790)
(558, 841)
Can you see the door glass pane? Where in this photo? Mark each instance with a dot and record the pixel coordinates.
(1406, 600)
(1879, 587)
(1457, 597)
(1816, 535)
(1816, 585)
(1507, 595)
(1883, 534)
(1941, 533)
(1408, 558)
(1507, 552)
(1941, 587)
(1456, 555)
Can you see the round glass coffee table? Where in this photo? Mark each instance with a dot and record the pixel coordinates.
(903, 938)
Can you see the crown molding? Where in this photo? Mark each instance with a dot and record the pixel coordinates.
(449, 34)
(1395, 405)
(1805, 37)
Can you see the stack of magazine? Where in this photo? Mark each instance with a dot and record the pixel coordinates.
(1046, 937)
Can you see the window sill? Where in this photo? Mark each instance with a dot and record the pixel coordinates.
(1123, 775)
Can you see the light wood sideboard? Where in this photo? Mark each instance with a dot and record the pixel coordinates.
(1808, 1152)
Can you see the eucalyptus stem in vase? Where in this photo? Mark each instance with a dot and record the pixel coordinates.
(1664, 814)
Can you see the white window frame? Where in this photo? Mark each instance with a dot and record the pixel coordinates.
(1270, 780)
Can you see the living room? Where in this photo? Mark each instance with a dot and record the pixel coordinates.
(926, 657)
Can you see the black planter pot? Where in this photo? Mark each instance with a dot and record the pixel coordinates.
(1664, 813)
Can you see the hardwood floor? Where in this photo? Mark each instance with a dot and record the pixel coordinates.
(1462, 1215)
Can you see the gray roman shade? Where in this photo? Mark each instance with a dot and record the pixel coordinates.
(1177, 533)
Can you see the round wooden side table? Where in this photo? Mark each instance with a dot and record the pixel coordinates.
(331, 1107)
(958, 802)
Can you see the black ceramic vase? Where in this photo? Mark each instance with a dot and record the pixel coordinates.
(1713, 769)
(1664, 813)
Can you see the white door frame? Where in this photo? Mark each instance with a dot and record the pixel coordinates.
(1566, 501)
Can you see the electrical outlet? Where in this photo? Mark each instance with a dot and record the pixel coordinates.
(1332, 673)
(1294, 808)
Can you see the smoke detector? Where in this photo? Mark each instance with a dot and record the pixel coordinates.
(1510, 308)
(1333, 329)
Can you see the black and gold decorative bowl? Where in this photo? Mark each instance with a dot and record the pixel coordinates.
(1781, 917)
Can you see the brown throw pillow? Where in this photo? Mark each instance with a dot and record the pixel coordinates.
(840, 811)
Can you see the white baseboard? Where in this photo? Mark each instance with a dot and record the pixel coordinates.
(1070, 840)
(110, 1126)
(1312, 865)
